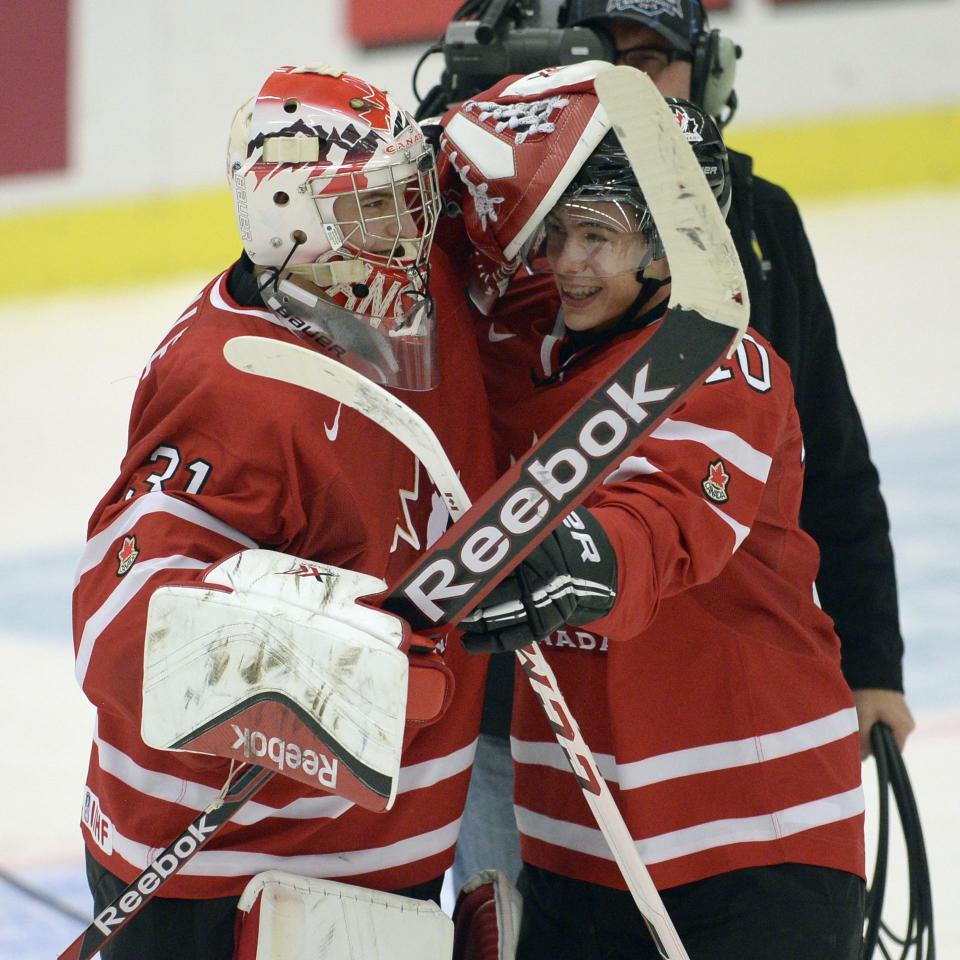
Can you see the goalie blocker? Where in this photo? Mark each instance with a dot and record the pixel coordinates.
(276, 661)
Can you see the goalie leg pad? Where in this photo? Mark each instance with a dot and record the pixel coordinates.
(486, 918)
(272, 659)
(285, 917)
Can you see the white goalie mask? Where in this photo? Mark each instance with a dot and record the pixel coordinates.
(336, 197)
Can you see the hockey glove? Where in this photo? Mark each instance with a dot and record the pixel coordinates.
(570, 578)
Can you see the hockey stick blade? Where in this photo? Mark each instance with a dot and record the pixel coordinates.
(706, 273)
(322, 374)
(246, 780)
(707, 316)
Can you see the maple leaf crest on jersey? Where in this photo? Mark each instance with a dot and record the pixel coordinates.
(127, 555)
(715, 484)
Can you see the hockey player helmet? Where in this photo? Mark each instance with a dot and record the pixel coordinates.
(336, 200)
(631, 240)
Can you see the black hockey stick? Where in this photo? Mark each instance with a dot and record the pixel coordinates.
(41, 897)
(244, 782)
(515, 515)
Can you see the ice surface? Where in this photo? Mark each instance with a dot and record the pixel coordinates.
(71, 365)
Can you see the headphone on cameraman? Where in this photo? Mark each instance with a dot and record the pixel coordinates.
(714, 56)
(714, 71)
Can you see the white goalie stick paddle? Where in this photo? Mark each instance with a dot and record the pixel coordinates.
(708, 313)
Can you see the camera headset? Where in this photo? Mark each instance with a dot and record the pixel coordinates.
(684, 24)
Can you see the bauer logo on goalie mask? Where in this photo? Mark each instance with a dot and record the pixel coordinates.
(652, 8)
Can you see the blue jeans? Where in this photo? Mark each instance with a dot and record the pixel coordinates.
(488, 833)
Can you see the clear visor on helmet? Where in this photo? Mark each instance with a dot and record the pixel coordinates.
(385, 215)
(596, 238)
(396, 349)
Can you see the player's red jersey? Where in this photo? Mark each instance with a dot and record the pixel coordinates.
(712, 693)
(218, 461)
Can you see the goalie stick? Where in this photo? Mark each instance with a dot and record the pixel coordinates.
(708, 314)
(709, 278)
(245, 780)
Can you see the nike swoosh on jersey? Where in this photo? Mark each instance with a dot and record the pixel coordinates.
(332, 432)
(495, 336)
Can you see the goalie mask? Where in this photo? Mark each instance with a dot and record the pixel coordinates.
(336, 200)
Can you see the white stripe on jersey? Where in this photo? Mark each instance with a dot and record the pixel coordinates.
(704, 836)
(217, 300)
(430, 772)
(239, 863)
(739, 753)
(706, 759)
(125, 590)
(728, 445)
(549, 754)
(630, 468)
(156, 502)
(740, 532)
(195, 796)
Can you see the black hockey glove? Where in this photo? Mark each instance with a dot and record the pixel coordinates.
(570, 578)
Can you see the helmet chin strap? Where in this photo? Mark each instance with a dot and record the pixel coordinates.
(273, 274)
(634, 316)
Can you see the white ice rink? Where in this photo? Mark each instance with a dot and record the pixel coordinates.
(892, 273)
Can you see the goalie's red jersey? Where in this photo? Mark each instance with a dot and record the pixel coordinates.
(712, 693)
(220, 460)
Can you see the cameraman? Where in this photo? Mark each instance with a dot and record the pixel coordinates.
(842, 506)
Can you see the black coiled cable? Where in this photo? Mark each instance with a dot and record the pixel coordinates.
(892, 778)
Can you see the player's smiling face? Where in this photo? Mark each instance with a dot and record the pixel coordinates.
(595, 251)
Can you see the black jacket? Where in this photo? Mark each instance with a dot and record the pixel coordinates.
(842, 507)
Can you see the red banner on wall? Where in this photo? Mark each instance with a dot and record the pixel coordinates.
(377, 23)
(33, 86)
